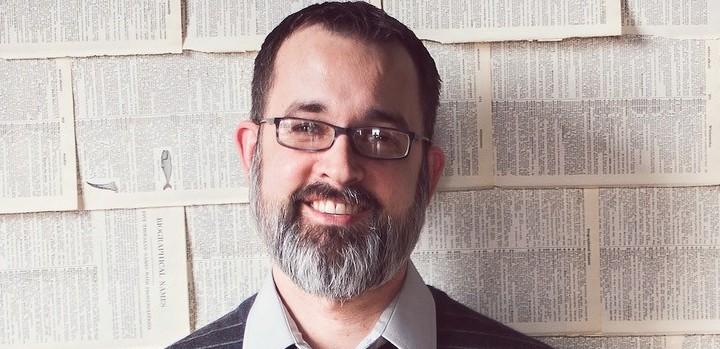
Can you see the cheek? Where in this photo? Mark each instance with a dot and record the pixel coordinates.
(394, 185)
(281, 179)
(282, 172)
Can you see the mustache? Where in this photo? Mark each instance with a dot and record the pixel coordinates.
(351, 194)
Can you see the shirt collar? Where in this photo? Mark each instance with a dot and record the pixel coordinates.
(412, 324)
(267, 326)
(407, 322)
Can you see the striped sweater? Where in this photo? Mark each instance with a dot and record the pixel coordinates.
(457, 327)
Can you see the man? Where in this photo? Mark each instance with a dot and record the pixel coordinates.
(342, 169)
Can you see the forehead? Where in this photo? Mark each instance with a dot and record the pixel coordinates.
(345, 79)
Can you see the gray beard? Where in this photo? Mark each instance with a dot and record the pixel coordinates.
(331, 261)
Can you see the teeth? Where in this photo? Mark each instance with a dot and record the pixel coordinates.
(332, 207)
(339, 208)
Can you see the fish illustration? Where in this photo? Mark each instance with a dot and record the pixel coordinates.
(104, 186)
(166, 165)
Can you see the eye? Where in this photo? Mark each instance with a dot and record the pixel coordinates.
(307, 127)
(379, 136)
(382, 143)
(382, 140)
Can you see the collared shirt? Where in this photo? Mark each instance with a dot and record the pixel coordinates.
(407, 322)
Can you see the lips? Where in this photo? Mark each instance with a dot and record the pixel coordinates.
(325, 202)
(334, 207)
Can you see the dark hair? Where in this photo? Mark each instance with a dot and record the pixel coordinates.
(360, 20)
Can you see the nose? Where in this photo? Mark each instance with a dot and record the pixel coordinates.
(339, 165)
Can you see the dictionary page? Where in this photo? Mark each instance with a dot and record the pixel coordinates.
(639, 342)
(526, 258)
(37, 137)
(93, 279)
(659, 249)
(236, 26)
(56, 28)
(228, 260)
(695, 342)
(160, 130)
(449, 21)
(606, 111)
(675, 18)
(464, 126)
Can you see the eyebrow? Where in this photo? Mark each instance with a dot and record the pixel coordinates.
(373, 114)
(396, 119)
(307, 107)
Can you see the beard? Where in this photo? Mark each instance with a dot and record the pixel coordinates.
(337, 262)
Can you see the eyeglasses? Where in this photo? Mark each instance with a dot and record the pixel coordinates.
(373, 142)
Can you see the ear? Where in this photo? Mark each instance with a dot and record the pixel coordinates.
(246, 139)
(436, 163)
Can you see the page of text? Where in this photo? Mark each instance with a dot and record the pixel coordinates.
(463, 129)
(57, 28)
(236, 26)
(93, 279)
(606, 111)
(659, 249)
(37, 137)
(518, 256)
(229, 262)
(160, 130)
(450, 21)
(675, 18)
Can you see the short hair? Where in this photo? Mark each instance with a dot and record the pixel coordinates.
(360, 20)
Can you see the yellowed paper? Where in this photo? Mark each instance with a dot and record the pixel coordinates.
(37, 137)
(160, 130)
(589, 112)
(93, 279)
(463, 129)
(67, 28)
(499, 20)
(659, 252)
(522, 257)
(694, 342)
(236, 26)
(638, 342)
(229, 262)
(682, 19)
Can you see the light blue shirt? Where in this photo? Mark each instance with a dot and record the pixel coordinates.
(408, 322)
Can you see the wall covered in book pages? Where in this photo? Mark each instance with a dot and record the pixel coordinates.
(580, 202)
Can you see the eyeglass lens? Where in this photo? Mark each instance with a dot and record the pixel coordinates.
(375, 142)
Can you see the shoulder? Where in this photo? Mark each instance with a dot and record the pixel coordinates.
(224, 333)
(461, 327)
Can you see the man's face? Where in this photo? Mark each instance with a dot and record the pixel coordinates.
(335, 222)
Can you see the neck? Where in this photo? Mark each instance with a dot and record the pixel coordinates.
(329, 323)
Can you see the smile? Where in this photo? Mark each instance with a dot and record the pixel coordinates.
(334, 207)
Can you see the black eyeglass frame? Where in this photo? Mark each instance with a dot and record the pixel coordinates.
(338, 130)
